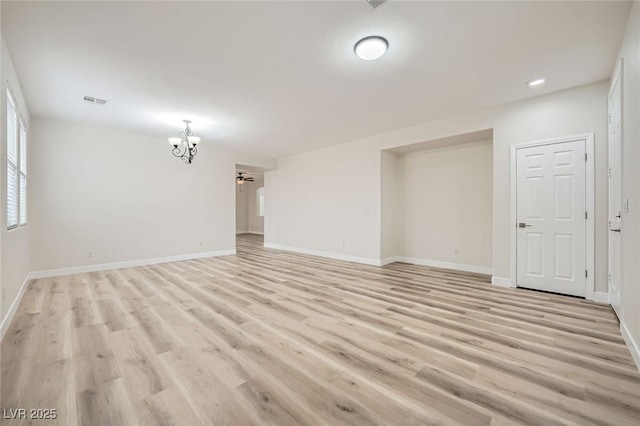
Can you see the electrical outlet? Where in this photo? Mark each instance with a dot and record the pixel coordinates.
(625, 205)
(201, 244)
(90, 253)
(456, 252)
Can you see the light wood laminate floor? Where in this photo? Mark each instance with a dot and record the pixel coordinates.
(270, 337)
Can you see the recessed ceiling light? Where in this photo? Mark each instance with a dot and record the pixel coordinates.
(536, 82)
(370, 48)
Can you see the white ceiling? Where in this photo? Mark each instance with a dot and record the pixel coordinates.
(278, 78)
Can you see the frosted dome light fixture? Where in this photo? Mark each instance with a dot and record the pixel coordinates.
(370, 48)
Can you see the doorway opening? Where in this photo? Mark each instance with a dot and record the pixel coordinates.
(250, 206)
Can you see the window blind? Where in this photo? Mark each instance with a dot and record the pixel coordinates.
(23, 174)
(12, 164)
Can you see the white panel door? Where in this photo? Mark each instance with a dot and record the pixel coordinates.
(615, 192)
(551, 218)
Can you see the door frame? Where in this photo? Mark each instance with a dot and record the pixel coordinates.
(618, 77)
(589, 200)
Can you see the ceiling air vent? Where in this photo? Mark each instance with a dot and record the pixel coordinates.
(375, 4)
(94, 100)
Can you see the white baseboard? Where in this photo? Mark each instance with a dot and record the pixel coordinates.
(446, 265)
(336, 256)
(126, 264)
(631, 344)
(385, 261)
(249, 232)
(8, 317)
(241, 232)
(390, 260)
(502, 282)
(601, 297)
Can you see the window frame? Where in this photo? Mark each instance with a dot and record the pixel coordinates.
(20, 164)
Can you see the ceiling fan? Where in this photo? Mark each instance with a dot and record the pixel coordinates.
(241, 179)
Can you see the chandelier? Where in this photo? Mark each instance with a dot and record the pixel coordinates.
(184, 146)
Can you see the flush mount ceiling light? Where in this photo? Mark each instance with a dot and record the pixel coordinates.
(539, 81)
(370, 48)
(184, 146)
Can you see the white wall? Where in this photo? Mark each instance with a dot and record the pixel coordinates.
(342, 202)
(124, 197)
(630, 51)
(242, 208)
(447, 204)
(326, 201)
(391, 197)
(15, 243)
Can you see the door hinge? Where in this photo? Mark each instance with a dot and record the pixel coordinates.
(585, 157)
(609, 118)
(585, 215)
(586, 273)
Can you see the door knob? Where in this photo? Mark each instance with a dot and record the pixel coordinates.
(523, 225)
